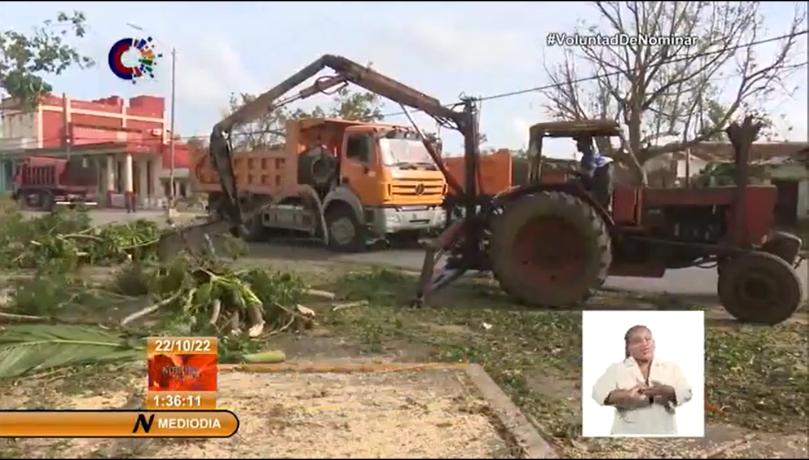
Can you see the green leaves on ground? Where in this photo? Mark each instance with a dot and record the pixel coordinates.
(378, 286)
(197, 294)
(758, 377)
(66, 239)
(34, 348)
(207, 296)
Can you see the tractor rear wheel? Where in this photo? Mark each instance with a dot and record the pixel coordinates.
(550, 249)
(759, 287)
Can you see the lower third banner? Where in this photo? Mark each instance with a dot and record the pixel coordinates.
(117, 424)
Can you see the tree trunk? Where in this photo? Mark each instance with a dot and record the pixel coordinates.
(634, 141)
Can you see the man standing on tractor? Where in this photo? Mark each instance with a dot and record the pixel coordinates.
(596, 171)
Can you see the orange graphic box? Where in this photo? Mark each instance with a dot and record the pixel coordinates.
(177, 372)
(174, 365)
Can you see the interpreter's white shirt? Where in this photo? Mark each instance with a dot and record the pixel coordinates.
(643, 418)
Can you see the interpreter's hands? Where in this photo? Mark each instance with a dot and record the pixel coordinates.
(633, 394)
(637, 391)
(659, 392)
(627, 399)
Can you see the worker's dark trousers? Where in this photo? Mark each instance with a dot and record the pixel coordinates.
(602, 185)
(129, 200)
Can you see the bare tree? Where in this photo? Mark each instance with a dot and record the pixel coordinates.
(666, 93)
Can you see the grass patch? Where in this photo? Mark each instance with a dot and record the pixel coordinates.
(757, 375)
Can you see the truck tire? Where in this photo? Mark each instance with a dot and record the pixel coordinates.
(760, 288)
(346, 233)
(316, 167)
(255, 231)
(550, 249)
(22, 202)
(47, 201)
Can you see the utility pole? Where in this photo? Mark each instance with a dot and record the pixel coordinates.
(170, 206)
(171, 141)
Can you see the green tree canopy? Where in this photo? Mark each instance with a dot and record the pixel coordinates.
(268, 130)
(27, 59)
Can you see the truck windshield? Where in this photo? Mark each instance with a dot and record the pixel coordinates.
(404, 152)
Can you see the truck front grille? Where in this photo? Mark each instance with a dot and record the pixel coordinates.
(418, 187)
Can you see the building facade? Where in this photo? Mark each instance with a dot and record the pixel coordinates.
(127, 139)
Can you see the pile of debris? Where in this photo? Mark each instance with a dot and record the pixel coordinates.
(45, 258)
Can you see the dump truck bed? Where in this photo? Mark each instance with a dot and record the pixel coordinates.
(269, 172)
(494, 171)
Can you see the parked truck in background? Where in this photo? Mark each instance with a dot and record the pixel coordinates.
(350, 183)
(45, 182)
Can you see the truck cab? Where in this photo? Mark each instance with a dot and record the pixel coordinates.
(349, 181)
(391, 173)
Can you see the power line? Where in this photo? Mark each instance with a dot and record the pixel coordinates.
(612, 74)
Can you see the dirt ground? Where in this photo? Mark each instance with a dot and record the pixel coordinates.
(467, 318)
(533, 355)
(418, 414)
(427, 414)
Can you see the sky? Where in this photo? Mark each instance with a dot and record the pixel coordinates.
(441, 48)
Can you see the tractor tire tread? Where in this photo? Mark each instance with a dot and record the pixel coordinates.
(790, 288)
(576, 212)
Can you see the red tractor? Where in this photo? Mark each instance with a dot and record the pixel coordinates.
(552, 245)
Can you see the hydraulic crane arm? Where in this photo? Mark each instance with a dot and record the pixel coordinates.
(346, 71)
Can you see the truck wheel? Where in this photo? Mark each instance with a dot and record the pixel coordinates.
(22, 202)
(759, 287)
(346, 234)
(47, 201)
(550, 249)
(256, 232)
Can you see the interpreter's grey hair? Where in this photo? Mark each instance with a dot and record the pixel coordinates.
(629, 332)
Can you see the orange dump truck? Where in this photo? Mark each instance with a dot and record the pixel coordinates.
(347, 182)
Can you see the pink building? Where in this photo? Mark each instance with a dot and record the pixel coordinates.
(129, 140)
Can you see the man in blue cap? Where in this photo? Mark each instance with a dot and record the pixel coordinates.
(596, 171)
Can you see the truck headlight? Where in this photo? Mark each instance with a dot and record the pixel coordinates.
(391, 219)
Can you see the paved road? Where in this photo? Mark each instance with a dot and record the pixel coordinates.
(689, 281)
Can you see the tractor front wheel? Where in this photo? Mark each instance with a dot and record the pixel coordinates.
(550, 249)
(759, 287)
